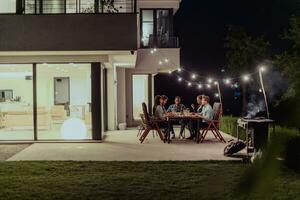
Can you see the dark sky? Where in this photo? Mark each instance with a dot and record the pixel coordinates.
(201, 27)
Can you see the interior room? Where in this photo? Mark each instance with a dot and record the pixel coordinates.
(63, 101)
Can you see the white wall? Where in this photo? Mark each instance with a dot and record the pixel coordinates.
(20, 87)
(7, 6)
(80, 88)
(111, 109)
(121, 95)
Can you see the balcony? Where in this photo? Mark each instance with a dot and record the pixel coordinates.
(72, 32)
(163, 42)
(66, 6)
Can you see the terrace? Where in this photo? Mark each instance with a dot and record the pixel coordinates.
(124, 146)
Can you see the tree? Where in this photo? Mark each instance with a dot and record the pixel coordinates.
(288, 62)
(244, 53)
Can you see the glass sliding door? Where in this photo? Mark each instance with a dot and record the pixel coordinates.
(156, 27)
(16, 102)
(64, 101)
(7, 6)
(147, 27)
(140, 94)
(53, 6)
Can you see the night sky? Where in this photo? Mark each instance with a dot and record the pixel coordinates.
(201, 26)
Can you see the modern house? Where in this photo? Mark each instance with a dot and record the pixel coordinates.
(73, 69)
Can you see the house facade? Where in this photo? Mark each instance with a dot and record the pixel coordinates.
(74, 69)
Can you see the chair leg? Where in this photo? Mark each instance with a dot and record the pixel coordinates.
(219, 134)
(144, 135)
(153, 133)
(140, 132)
(214, 133)
(204, 133)
(159, 132)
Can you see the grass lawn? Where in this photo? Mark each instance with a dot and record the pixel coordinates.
(135, 180)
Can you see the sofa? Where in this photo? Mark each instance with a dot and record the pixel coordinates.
(58, 114)
(21, 120)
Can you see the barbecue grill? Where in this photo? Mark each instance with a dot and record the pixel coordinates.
(257, 132)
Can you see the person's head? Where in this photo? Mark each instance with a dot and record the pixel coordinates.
(163, 100)
(205, 100)
(199, 99)
(177, 100)
(157, 100)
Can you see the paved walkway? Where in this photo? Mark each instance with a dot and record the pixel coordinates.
(124, 146)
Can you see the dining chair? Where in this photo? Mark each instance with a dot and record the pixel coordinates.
(150, 125)
(213, 125)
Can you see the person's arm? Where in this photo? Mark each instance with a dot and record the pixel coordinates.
(170, 109)
(160, 113)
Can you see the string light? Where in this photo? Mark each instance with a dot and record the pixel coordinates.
(179, 79)
(166, 60)
(199, 86)
(189, 84)
(193, 76)
(160, 62)
(209, 80)
(208, 86)
(179, 69)
(260, 90)
(262, 69)
(216, 95)
(246, 78)
(227, 81)
(216, 83)
(170, 72)
(154, 49)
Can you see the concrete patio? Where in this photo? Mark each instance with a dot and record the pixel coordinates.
(125, 146)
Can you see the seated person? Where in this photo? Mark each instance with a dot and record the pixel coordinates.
(178, 107)
(160, 112)
(207, 113)
(192, 123)
(198, 107)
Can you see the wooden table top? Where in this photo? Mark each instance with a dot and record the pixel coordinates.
(183, 116)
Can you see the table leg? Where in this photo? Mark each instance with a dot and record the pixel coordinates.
(168, 132)
(198, 131)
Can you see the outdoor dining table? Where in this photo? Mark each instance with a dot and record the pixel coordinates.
(171, 117)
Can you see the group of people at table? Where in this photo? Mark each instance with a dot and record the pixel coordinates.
(202, 108)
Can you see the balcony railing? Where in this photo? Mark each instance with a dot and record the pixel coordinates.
(76, 6)
(162, 42)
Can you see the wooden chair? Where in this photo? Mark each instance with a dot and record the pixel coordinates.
(143, 126)
(150, 125)
(213, 125)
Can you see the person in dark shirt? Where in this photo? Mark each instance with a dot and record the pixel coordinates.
(178, 108)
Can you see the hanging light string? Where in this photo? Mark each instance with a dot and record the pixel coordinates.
(163, 60)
